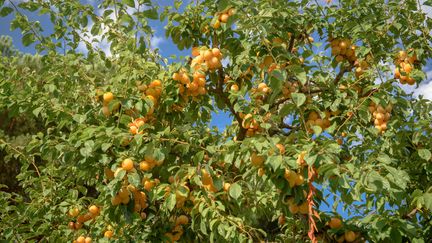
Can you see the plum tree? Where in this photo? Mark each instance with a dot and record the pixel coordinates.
(117, 145)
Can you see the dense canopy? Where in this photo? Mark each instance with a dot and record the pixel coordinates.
(103, 138)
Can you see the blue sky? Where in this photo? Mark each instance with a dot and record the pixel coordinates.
(167, 48)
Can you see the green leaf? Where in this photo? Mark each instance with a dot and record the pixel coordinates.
(151, 13)
(384, 158)
(395, 235)
(30, 6)
(171, 202)
(5, 11)
(198, 157)
(317, 130)
(134, 179)
(310, 159)
(105, 146)
(302, 77)
(86, 152)
(121, 174)
(285, 110)
(28, 39)
(79, 118)
(37, 111)
(95, 29)
(375, 182)
(203, 227)
(130, 3)
(275, 162)
(235, 191)
(298, 98)
(428, 200)
(300, 73)
(424, 154)
(177, 4)
(73, 194)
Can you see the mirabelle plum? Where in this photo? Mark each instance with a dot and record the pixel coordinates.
(224, 18)
(108, 234)
(231, 11)
(304, 208)
(80, 239)
(127, 165)
(195, 51)
(226, 186)
(148, 185)
(234, 88)
(152, 98)
(93, 209)
(217, 24)
(182, 219)
(335, 223)
(108, 97)
(293, 208)
(206, 177)
(145, 166)
(176, 76)
(71, 225)
(116, 200)
(281, 220)
(73, 212)
(256, 159)
(216, 52)
(350, 236)
(208, 54)
(106, 111)
(299, 180)
(261, 171)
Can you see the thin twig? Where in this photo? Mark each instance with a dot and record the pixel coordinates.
(220, 92)
(279, 102)
(23, 155)
(22, 15)
(182, 142)
(284, 125)
(291, 43)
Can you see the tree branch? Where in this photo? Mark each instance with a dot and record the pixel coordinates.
(340, 75)
(277, 103)
(23, 155)
(410, 215)
(30, 24)
(284, 125)
(219, 91)
(291, 43)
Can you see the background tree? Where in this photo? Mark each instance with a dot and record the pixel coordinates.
(118, 147)
(6, 46)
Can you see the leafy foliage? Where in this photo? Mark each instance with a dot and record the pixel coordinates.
(117, 145)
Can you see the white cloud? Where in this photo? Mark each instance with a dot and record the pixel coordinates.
(102, 43)
(225, 62)
(426, 9)
(155, 41)
(96, 41)
(425, 88)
